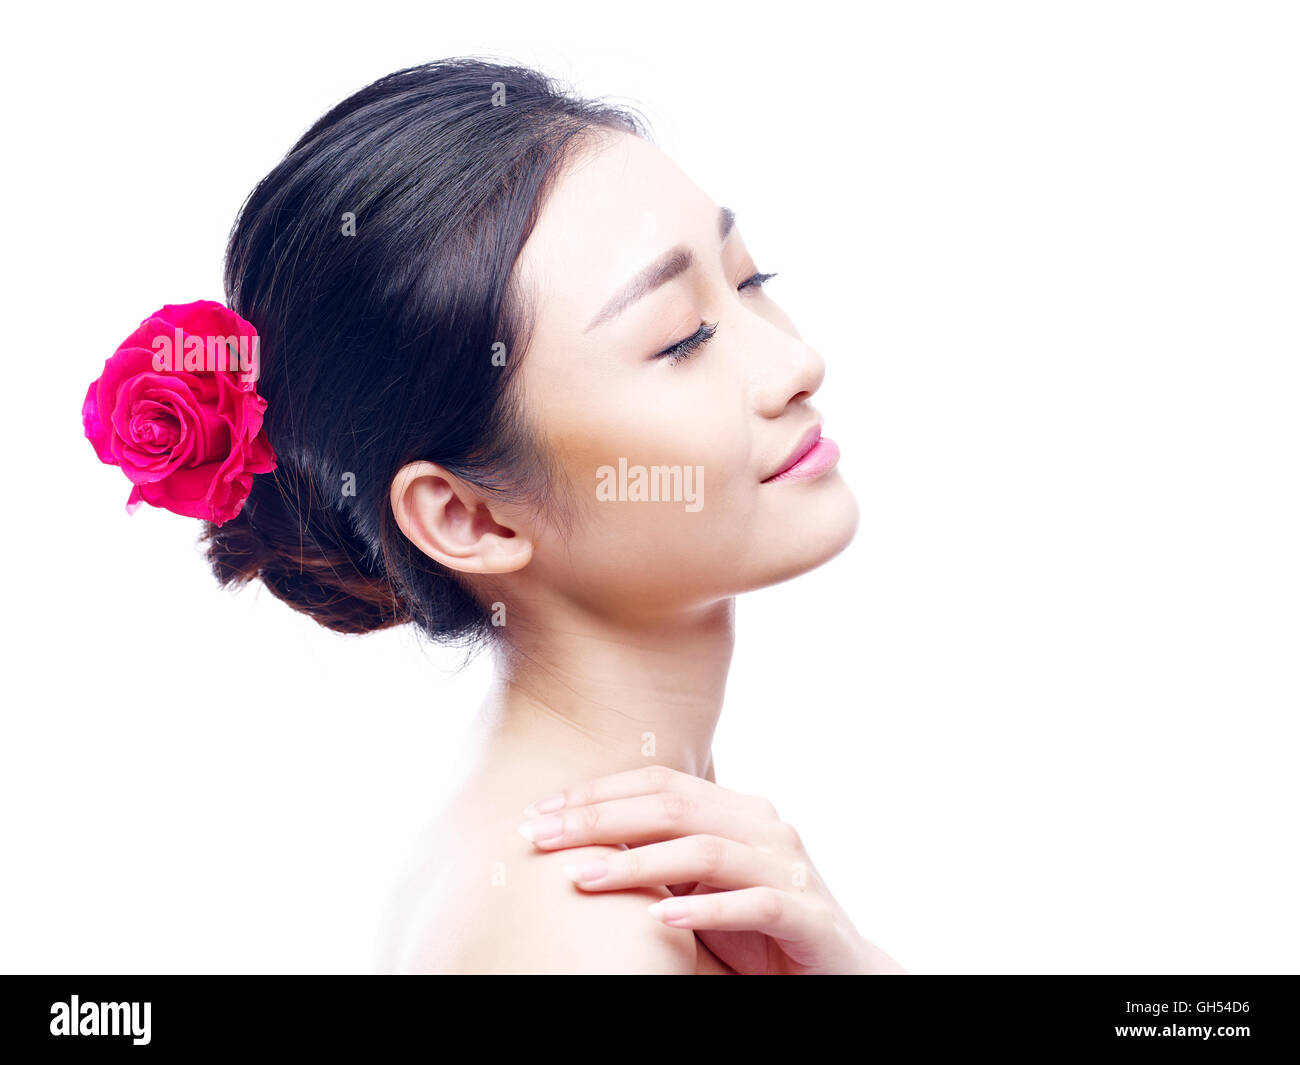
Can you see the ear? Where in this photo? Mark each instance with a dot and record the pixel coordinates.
(452, 522)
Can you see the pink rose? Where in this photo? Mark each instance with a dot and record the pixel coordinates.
(177, 409)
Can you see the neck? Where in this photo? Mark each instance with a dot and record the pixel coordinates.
(593, 696)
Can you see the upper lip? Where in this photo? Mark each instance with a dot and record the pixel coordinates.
(806, 443)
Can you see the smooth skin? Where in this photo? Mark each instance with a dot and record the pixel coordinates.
(745, 883)
(620, 619)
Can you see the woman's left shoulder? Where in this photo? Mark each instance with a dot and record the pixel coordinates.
(477, 897)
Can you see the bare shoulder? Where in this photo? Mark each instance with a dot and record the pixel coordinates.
(479, 898)
(544, 924)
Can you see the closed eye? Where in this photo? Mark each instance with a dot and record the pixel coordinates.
(683, 349)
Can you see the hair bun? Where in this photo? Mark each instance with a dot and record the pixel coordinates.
(310, 558)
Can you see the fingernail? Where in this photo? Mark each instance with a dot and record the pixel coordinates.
(669, 909)
(547, 805)
(546, 828)
(592, 869)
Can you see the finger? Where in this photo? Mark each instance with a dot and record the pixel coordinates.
(643, 819)
(778, 914)
(647, 781)
(713, 860)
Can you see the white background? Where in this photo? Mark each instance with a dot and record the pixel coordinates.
(1039, 717)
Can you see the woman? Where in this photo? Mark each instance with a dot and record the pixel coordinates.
(525, 389)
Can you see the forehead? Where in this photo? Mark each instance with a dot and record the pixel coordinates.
(617, 203)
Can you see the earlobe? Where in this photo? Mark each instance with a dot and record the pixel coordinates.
(451, 522)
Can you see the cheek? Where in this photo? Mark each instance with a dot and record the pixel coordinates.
(653, 419)
(684, 542)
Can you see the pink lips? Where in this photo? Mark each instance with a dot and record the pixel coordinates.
(813, 457)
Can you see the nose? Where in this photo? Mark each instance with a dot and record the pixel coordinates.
(790, 374)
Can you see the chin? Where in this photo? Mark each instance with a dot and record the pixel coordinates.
(810, 532)
(837, 516)
(849, 516)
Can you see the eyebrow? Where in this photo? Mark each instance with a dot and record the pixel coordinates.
(672, 263)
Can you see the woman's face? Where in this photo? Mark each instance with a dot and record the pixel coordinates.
(722, 420)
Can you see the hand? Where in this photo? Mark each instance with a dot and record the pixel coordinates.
(742, 879)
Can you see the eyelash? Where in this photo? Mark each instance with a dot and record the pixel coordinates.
(683, 349)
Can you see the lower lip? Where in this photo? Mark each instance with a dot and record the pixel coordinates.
(822, 456)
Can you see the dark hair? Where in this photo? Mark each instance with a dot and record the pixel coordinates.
(377, 348)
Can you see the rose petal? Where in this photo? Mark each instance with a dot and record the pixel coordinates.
(190, 441)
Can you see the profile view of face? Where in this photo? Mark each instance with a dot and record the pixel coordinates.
(728, 414)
